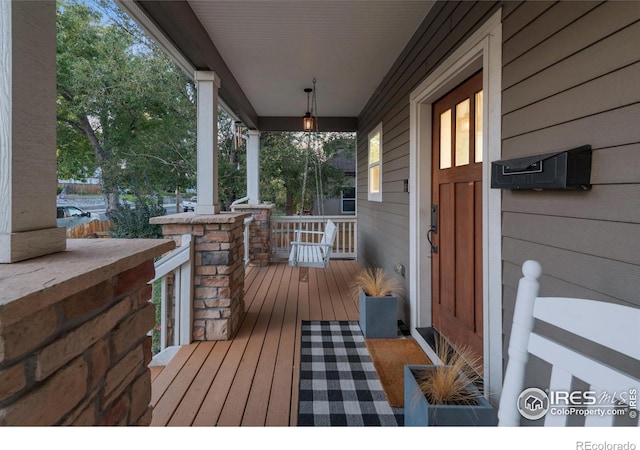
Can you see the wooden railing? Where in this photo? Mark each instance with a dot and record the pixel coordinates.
(283, 230)
(175, 272)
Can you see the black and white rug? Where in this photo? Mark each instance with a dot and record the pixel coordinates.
(339, 385)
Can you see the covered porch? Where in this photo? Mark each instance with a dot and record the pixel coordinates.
(75, 316)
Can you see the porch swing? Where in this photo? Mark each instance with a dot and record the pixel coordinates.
(312, 248)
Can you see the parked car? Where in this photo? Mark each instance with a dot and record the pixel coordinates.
(189, 205)
(70, 216)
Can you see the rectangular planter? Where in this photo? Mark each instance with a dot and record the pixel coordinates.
(418, 412)
(378, 316)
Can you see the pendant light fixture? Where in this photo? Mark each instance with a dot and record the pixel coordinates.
(308, 121)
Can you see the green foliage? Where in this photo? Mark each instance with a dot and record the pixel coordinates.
(123, 106)
(283, 163)
(133, 222)
(125, 109)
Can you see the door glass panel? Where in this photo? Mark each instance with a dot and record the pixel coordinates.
(478, 126)
(462, 133)
(374, 179)
(445, 139)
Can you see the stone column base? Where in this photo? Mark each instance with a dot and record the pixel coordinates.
(218, 282)
(259, 233)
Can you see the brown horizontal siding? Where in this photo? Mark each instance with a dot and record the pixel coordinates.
(540, 29)
(571, 76)
(618, 50)
(600, 275)
(612, 128)
(580, 32)
(520, 15)
(606, 239)
(610, 203)
(608, 92)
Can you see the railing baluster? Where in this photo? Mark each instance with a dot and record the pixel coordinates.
(163, 314)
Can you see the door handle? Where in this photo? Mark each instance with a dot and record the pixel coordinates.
(434, 248)
(434, 228)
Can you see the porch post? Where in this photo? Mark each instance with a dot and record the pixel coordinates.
(28, 177)
(208, 84)
(253, 167)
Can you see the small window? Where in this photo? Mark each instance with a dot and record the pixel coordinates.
(348, 204)
(375, 164)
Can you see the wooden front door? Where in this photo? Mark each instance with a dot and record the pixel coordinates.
(456, 229)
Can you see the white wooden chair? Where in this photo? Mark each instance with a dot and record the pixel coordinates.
(313, 254)
(615, 327)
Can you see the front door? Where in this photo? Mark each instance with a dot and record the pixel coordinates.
(456, 229)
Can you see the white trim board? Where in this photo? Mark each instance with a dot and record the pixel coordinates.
(483, 50)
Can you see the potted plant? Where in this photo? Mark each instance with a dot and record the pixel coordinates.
(446, 394)
(377, 303)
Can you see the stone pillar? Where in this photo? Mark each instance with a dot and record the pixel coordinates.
(253, 167)
(259, 233)
(74, 343)
(218, 299)
(28, 177)
(208, 84)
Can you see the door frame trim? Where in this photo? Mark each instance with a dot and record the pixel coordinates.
(483, 50)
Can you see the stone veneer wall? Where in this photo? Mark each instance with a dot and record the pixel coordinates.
(218, 298)
(74, 348)
(259, 233)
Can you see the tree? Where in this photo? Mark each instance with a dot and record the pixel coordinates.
(123, 106)
(284, 160)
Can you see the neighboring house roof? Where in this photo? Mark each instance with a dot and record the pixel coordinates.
(346, 164)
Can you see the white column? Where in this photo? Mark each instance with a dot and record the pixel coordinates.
(28, 177)
(253, 167)
(207, 172)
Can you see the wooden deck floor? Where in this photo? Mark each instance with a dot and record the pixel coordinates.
(252, 380)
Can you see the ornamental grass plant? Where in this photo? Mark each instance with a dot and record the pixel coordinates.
(452, 382)
(375, 282)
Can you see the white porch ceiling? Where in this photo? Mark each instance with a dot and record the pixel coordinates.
(275, 48)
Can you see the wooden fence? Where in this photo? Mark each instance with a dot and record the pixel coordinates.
(95, 229)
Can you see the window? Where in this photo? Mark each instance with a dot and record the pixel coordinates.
(461, 132)
(348, 203)
(375, 164)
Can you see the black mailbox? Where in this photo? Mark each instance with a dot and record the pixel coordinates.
(569, 169)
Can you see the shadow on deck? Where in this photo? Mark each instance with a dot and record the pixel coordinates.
(252, 380)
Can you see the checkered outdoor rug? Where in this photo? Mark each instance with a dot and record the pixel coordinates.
(339, 385)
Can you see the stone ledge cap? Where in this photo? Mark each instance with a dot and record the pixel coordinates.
(190, 218)
(31, 285)
(254, 206)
